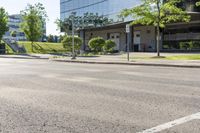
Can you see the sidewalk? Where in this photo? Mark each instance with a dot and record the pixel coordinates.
(123, 61)
(115, 59)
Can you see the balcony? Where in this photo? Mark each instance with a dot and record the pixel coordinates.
(182, 36)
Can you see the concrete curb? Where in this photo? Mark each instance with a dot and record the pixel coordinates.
(114, 63)
(128, 63)
(31, 57)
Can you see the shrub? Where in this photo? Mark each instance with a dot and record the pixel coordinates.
(109, 46)
(196, 45)
(184, 45)
(190, 45)
(67, 43)
(96, 44)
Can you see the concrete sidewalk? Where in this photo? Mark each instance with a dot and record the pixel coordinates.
(152, 62)
(119, 59)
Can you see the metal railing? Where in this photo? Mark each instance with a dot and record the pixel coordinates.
(182, 36)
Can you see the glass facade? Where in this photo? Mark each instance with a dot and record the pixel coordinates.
(107, 8)
(14, 25)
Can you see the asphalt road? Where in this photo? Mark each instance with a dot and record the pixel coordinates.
(40, 96)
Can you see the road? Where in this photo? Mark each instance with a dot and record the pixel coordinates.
(40, 96)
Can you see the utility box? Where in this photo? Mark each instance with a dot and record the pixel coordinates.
(2, 48)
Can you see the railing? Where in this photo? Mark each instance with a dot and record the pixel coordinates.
(14, 46)
(182, 36)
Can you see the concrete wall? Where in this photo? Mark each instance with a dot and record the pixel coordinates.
(148, 37)
(105, 34)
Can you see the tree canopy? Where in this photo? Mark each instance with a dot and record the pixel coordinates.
(198, 3)
(3, 22)
(158, 14)
(81, 22)
(34, 17)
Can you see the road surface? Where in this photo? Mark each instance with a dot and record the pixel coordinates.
(40, 96)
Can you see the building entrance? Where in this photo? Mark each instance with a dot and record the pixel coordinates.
(137, 40)
(116, 38)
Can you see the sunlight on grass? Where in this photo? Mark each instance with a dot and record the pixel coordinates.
(43, 47)
(175, 57)
(184, 57)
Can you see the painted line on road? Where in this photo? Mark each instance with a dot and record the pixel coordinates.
(171, 124)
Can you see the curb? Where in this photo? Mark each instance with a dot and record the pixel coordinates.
(128, 63)
(31, 57)
(111, 63)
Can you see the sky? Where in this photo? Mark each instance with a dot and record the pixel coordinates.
(52, 7)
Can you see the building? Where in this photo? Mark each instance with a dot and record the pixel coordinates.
(176, 33)
(143, 38)
(14, 26)
(14, 22)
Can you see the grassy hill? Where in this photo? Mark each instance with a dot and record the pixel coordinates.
(43, 47)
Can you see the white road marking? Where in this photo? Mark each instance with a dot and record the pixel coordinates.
(171, 124)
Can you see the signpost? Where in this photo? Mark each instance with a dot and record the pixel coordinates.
(128, 42)
(73, 47)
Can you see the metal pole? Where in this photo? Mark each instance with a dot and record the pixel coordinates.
(128, 42)
(73, 48)
(128, 47)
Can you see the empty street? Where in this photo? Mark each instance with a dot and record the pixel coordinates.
(45, 96)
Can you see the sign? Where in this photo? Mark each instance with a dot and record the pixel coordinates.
(127, 28)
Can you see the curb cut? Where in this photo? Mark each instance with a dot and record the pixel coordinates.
(127, 63)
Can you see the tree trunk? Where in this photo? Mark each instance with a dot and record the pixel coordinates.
(32, 46)
(158, 27)
(158, 40)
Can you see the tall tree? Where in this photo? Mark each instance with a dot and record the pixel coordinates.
(63, 26)
(34, 18)
(157, 13)
(81, 22)
(50, 38)
(3, 22)
(198, 3)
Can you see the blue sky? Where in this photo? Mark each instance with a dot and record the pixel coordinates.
(52, 8)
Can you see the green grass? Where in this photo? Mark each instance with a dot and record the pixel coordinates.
(8, 49)
(184, 57)
(43, 47)
(175, 57)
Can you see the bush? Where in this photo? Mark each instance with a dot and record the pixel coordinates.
(184, 45)
(109, 46)
(196, 45)
(96, 44)
(189, 45)
(67, 43)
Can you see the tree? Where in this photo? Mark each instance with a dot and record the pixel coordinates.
(63, 26)
(158, 14)
(50, 38)
(61, 37)
(55, 38)
(198, 3)
(3, 22)
(67, 43)
(34, 17)
(81, 22)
